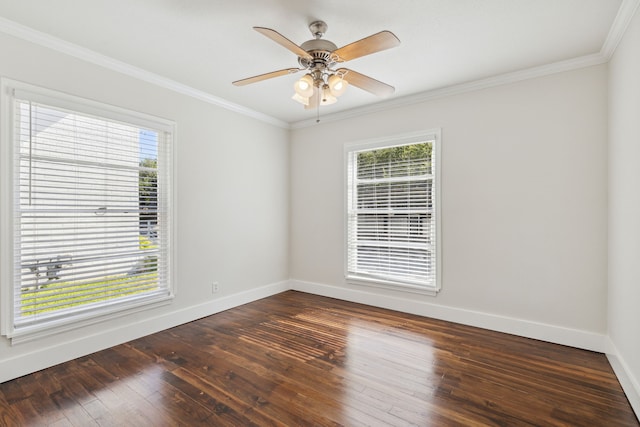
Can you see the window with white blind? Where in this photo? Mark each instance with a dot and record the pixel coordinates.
(393, 213)
(90, 223)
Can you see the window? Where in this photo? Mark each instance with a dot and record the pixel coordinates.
(392, 235)
(88, 208)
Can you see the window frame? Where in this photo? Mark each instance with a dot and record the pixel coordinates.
(8, 199)
(388, 142)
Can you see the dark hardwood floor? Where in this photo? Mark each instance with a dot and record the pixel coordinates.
(296, 359)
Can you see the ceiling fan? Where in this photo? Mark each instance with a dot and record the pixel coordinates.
(323, 83)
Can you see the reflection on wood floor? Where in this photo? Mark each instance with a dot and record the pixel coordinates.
(296, 359)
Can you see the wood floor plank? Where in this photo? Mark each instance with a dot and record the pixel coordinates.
(9, 417)
(252, 389)
(296, 359)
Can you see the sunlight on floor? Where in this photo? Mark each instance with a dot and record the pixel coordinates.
(372, 358)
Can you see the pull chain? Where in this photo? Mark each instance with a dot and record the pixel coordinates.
(318, 107)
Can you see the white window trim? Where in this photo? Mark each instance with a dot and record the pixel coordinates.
(402, 139)
(7, 88)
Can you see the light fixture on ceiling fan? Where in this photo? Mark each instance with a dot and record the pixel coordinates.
(323, 83)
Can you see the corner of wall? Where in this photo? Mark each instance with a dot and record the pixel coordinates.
(630, 384)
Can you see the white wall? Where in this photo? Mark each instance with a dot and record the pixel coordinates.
(624, 211)
(229, 216)
(524, 206)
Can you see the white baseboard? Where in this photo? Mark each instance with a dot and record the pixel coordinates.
(70, 349)
(67, 350)
(629, 383)
(525, 328)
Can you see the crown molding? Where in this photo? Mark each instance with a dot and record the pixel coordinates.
(620, 23)
(430, 95)
(619, 27)
(616, 32)
(46, 40)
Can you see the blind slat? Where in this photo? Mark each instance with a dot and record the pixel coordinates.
(90, 218)
(390, 219)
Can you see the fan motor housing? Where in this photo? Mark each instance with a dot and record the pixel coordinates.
(321, 51)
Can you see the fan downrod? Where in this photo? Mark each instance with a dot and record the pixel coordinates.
(318, 28)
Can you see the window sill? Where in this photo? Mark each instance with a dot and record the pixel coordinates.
(27, 334)
(395, 286)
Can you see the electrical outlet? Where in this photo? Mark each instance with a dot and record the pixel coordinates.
(214, 287)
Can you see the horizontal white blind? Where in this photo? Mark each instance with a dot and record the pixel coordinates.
(390, 214)
(91, 225)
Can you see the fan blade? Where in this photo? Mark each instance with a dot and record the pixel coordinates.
(367, 83)
(265, 76)
(372, 44)
(283, 41)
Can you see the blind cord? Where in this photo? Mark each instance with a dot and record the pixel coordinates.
(30, 149)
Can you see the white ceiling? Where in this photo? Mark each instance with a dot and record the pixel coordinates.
(207, 44)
